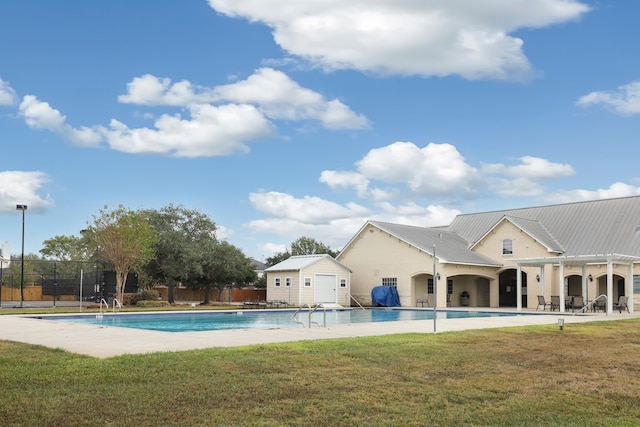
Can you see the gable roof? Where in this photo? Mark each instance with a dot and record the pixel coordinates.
(300, 262)
(533, 228)
(450, 247)
(584, 228)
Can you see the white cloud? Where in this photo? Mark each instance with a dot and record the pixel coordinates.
(617, 189)
(7, 94)
(271, 91)
(436, 38)
(436, 169)
(211, 131)
(524, 179)
(307, 209)
(22, 188)
(40, 115)
(625, 100)
(152, 90)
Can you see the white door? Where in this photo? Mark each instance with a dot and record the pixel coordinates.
(325, 289)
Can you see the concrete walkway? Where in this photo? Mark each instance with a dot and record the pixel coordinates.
(107, 341)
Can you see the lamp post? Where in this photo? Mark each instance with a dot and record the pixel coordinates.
(22, 208)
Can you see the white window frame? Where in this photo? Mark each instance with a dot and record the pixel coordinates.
(287, 282)
(343, 283)
(276, 282)
(390, 281)
(307, 282)
(507, 247)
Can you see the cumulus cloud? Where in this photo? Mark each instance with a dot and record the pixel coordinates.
(273, 92)
(625, 100)
(21, 187)
(434, 170)
(40, 115)
(524, 178)
(7, 94)
(617, 189)
(210, 131)
(437, 38)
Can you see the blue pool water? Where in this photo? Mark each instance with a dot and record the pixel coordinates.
(211, 321)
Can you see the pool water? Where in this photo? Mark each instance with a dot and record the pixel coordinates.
(267, 319)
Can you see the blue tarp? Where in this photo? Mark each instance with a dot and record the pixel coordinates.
(385, 296)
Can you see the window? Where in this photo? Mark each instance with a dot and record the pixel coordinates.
(277, 282)
(429, 286)
(307, 282)
(507, 247)
(390, 281)
(450, 286)
(343, 283)
(287, 282)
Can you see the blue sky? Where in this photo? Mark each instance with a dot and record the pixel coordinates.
(281, 118)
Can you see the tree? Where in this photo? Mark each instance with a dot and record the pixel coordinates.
(125, 239)
(181, 233)
(71, 250)
(301, 246)
(223, 265)
(309, 246)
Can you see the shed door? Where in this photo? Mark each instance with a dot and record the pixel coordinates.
(325, 289)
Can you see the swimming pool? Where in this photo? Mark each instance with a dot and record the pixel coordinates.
(266, 319)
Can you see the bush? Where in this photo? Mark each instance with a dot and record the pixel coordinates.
(135, 299)
(152, 303)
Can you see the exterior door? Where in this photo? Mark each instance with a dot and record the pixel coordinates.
(325, 290)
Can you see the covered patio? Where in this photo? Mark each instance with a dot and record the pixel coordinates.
(583, 261)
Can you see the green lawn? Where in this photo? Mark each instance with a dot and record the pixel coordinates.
(586, 375)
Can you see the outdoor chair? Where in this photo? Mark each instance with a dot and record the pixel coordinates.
(448, 300)
(578, 302)
(542, 303)
(568, 302)
(555, 302)
(622, 304)
(422, 301)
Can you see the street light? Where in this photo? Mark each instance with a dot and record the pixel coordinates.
(22, 208)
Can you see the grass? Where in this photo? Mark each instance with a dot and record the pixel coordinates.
(587, 374)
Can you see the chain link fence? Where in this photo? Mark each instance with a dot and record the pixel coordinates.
(51, 283)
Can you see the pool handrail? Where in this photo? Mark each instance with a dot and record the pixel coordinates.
(324, 310)
(115, 300)
(349, 296)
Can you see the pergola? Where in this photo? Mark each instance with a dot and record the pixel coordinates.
(582, 261)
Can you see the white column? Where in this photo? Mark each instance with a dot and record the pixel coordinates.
(519, 287)
(629, 288)
(561, 284)
(542, 280)
(584, 283)
(609, 286)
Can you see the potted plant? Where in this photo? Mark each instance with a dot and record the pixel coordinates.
(464, 298)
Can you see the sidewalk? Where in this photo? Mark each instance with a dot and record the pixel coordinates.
(100, 341)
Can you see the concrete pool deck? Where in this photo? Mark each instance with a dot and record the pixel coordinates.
(108, 341)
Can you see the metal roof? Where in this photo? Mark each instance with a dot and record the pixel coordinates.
(450, 247)
(584, 228)
(300, 262)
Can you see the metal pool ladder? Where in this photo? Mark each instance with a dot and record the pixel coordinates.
(311, 311)
(100, 315)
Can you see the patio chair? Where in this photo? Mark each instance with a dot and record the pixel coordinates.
(578, 302)
(555, 302)
(422, 301)
(542, 303)
(448, 300)
(622, 304)
(568, 302)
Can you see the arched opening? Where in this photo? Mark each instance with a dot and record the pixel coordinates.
(507, 288)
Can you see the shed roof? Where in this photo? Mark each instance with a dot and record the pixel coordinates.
(300, 262)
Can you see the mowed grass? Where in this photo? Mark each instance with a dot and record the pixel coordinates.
(588, 374)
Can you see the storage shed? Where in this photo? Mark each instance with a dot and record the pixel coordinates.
(309, 279)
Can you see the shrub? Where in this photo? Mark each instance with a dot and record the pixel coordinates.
(152, 303)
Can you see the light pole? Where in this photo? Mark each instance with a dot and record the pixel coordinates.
(22, 208)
